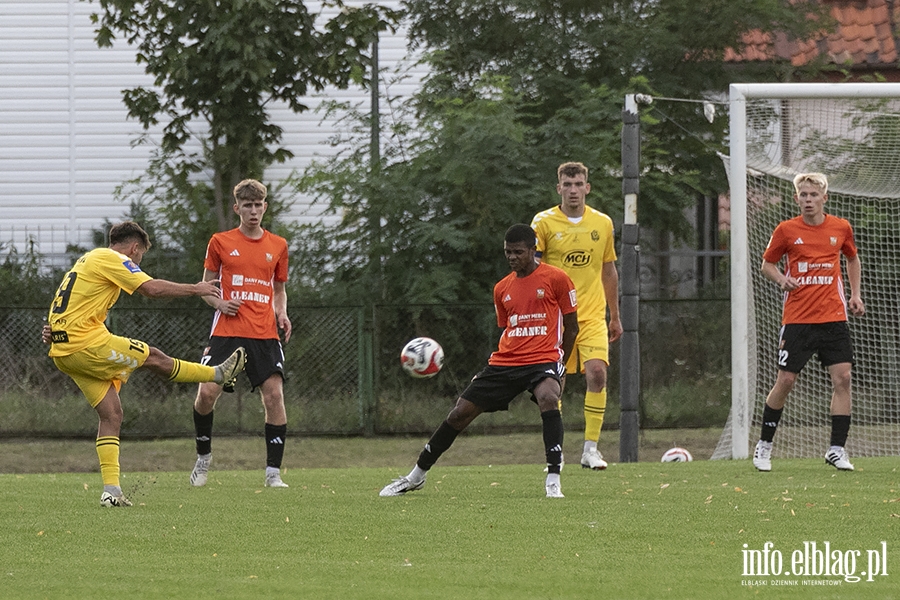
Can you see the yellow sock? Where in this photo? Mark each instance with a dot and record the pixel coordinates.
(594, 409)
(108, 452)
(191, 372)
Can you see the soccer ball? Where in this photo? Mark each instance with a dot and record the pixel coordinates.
(677, 455)
(422, 357)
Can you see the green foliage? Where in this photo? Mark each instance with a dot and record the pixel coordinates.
(669, 49)
(225, 63)
(429, 224)
(517, 87)
(22, 279)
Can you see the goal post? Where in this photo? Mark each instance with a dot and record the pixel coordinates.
(850, 132)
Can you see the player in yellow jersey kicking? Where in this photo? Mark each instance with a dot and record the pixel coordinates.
(99, 362)
(579, 240)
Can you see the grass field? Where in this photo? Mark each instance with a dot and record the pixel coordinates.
(640, 530)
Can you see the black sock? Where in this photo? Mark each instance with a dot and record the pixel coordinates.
(770, 419)
(440, 440)
(203, 426)
(553, 439)
(275, 435)
(840, 427)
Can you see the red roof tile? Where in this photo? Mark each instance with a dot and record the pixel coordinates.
(864, 37)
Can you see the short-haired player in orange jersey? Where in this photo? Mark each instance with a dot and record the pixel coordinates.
(536, 308)
(252, 265)
(815, 311)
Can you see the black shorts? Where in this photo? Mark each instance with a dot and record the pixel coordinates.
(799, 341)
(264, 357)
(495, 387)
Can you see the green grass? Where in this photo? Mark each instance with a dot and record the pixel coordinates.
(640, 530)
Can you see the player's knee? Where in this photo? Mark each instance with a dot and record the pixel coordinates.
(463, 413)
(110, 413)
(595, 375)
(786, 380)
(155, 359)
(207, 394)
(548, 403)
(547, 396)
(596, 382)
(841, 379)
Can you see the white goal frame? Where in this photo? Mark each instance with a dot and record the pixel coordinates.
(739, 93)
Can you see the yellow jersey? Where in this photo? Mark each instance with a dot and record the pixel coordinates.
(83, 299)
(580, 249)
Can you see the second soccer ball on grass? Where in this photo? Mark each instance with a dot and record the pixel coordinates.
(422, 357)
(677, 455)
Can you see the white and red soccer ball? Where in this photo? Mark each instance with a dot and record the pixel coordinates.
(677, 455)
(422, 357)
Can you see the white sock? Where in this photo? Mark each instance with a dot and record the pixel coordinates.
(589, 445)
(552, 478)
(416, 475)
(272, 471)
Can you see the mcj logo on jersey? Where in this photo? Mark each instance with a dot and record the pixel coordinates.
(829, 566)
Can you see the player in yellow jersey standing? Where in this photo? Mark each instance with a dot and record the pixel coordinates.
(579, 240)
(99, 362)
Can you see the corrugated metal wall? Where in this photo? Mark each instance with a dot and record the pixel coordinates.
(66, 142)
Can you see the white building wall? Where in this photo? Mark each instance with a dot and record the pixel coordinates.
(66, 141)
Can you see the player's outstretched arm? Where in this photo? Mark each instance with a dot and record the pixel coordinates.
(161, 288)
(225, 306)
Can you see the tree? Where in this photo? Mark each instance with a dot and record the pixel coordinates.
(667, 48)
(443, 197)
(517, 87)
(218, 66)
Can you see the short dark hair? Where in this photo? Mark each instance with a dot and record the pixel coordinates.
(128, 231)
(521, 233)
(572, 169)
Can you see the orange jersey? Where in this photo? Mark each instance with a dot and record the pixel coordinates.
(248, 269)
(530, 309)
(814, 258)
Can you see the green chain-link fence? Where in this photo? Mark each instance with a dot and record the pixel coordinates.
(344, 376)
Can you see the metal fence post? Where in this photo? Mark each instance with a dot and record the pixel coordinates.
(630, 356)
(366, 346)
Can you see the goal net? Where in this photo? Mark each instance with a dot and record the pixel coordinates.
(850, 132)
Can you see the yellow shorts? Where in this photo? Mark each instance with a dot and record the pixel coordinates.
(592, 342)
(95, 369)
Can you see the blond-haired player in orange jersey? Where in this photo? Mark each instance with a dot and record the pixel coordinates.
(814, 319)
(252, 264)
(579, 240)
